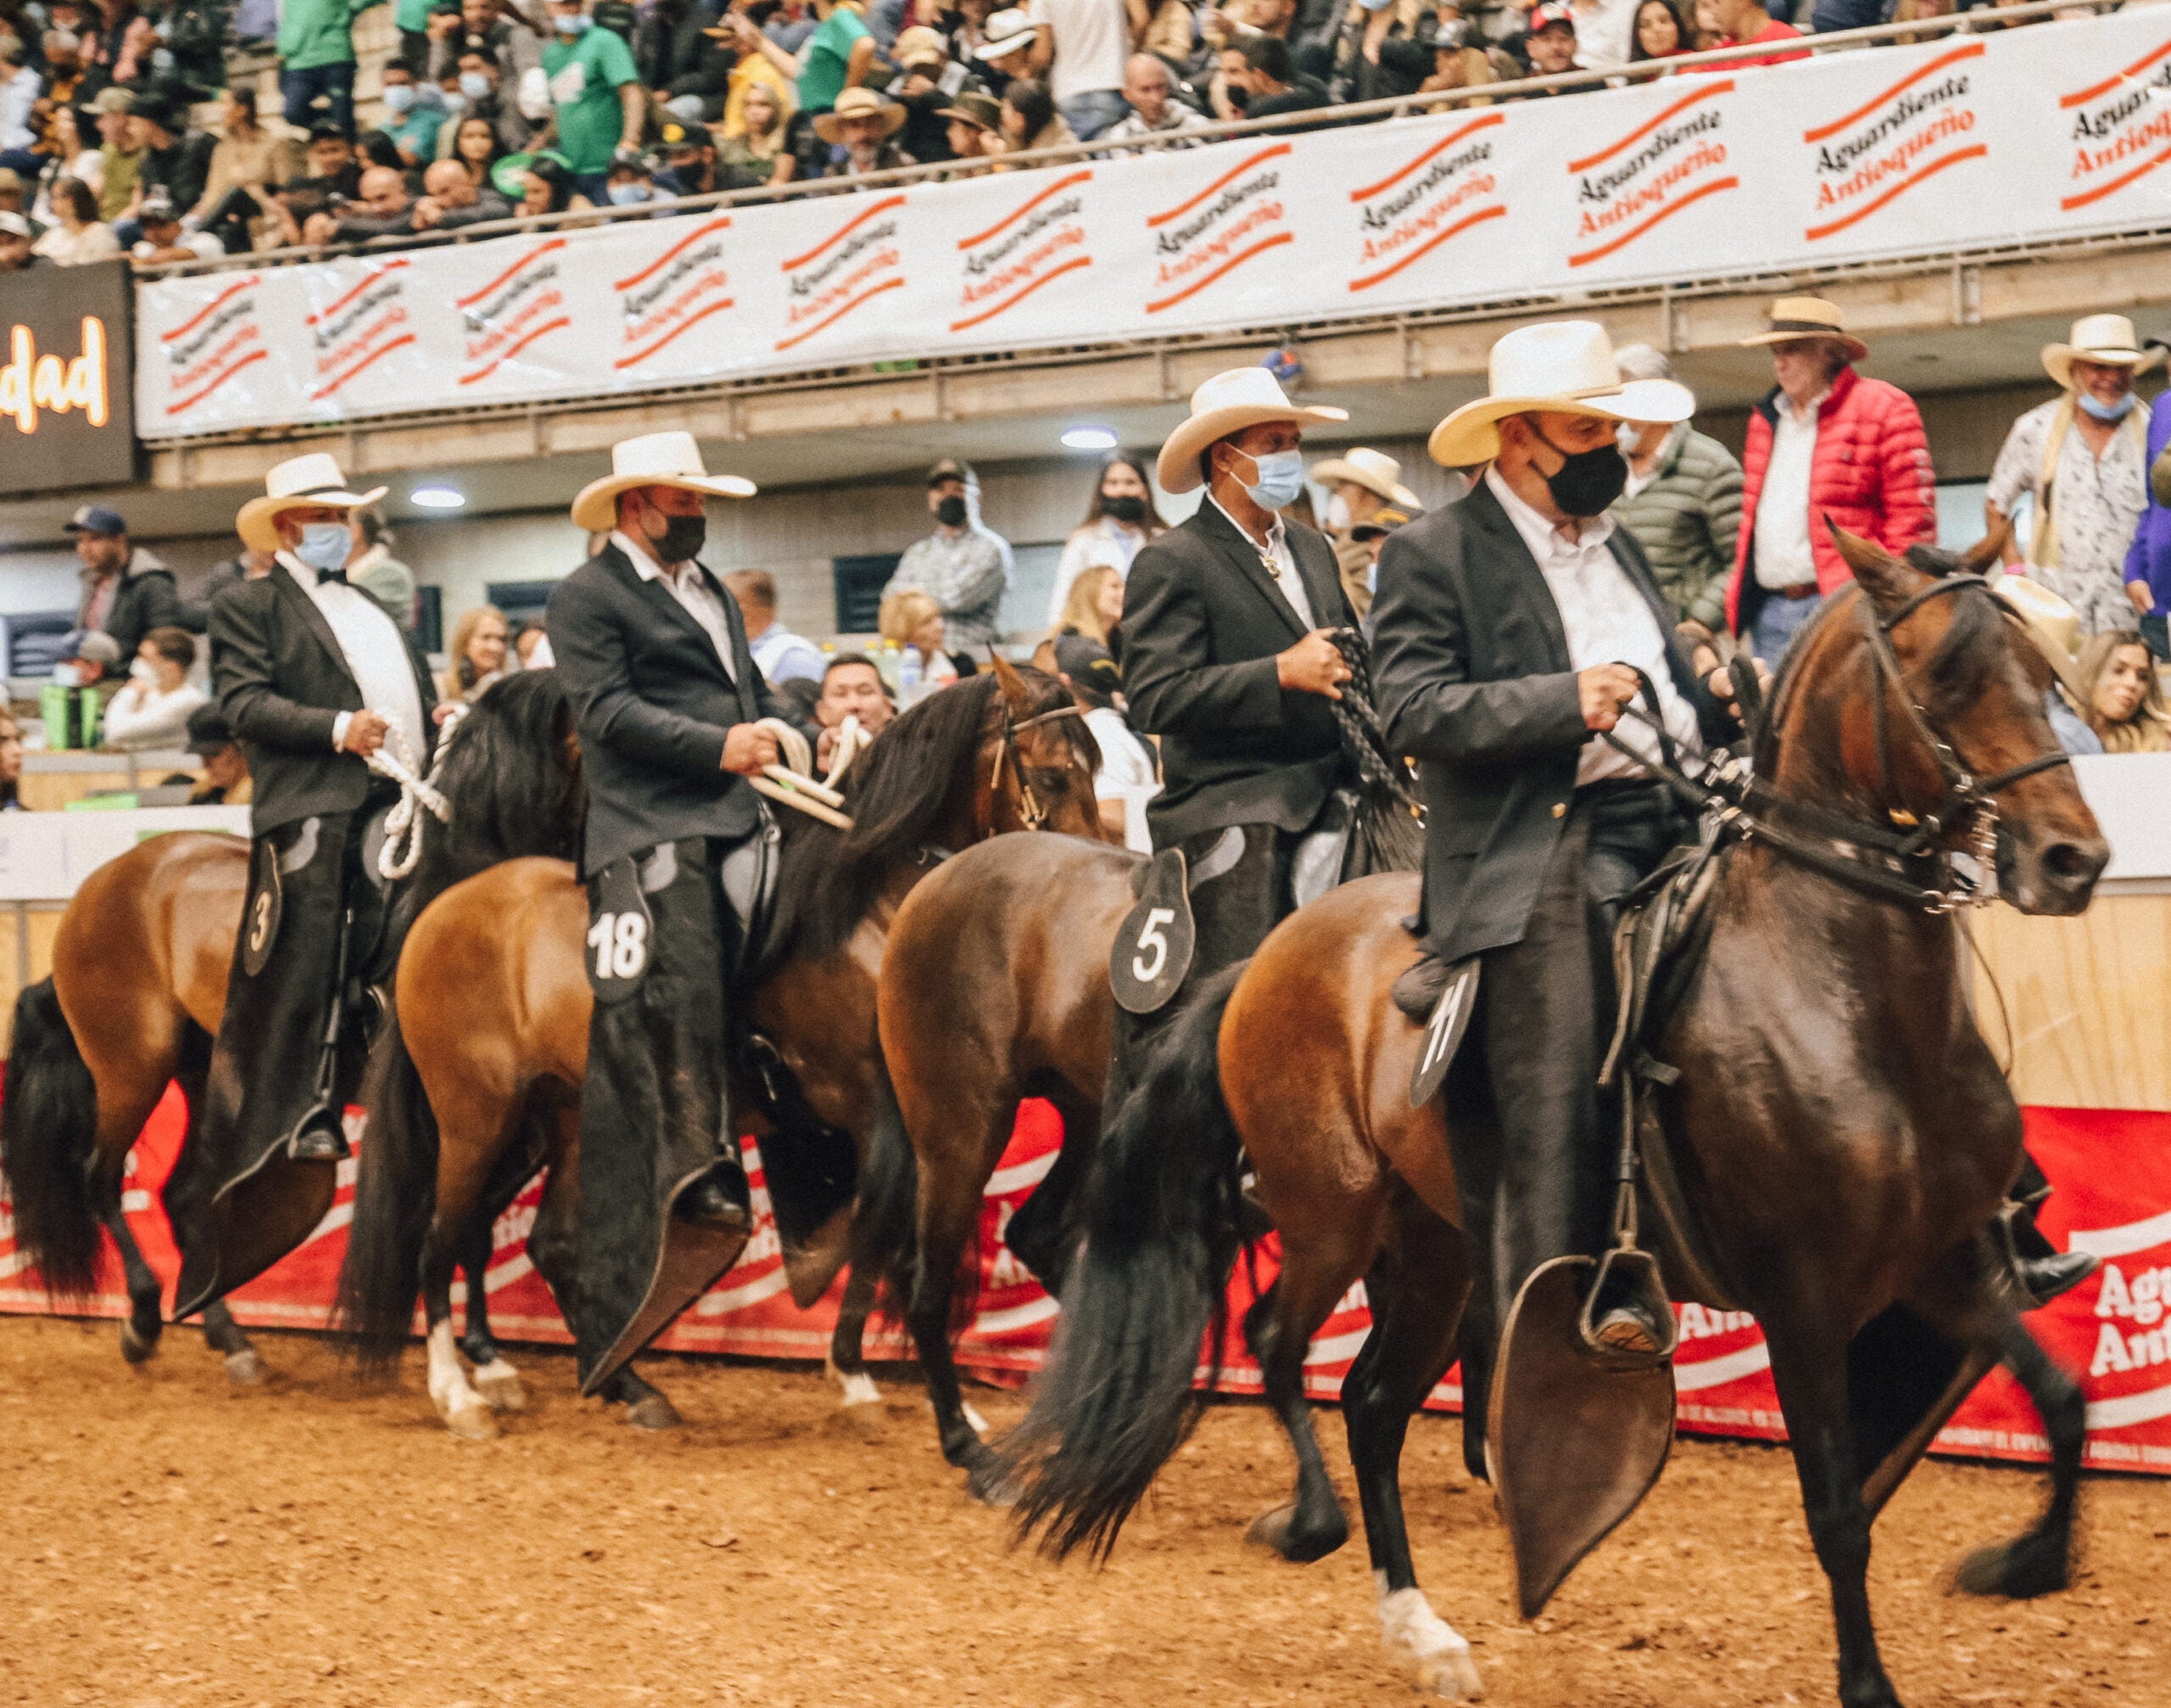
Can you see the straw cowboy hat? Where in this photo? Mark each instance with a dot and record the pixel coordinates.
(1808, 317)
(1564, 366)
(857, 103)
(1227, 404)
(300, 482)
(656, 458)
(1375, 471)
(2106, 338)
(2052, 623)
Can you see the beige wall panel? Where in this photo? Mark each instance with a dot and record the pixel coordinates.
(2090, 1001)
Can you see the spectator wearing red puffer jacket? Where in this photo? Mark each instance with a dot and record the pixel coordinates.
(1827, 444)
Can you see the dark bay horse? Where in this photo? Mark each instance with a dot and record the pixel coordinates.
(1843, 1135)
(139, 983)
(479, 1085)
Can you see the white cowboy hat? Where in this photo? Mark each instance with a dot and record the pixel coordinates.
(1375, 471)
(1005, 33)
(300, 482)
(857, 103)
(1565, 366)
(655, 458)
(1808, 317)
(2106, 338)
(2051, 622)
(1229, 403)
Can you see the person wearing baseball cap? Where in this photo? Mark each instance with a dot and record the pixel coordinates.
(226, 779)
(1126, 779)
(963, 565)
(1550, 45)
(127, 591)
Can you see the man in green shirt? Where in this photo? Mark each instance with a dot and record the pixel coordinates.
(317, 60)
(838, 55)
(597, 92)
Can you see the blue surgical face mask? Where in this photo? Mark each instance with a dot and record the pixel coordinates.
(399, 97)
(2106, 412)
(573, 25)
(455, 103)
(1281, 478)
(474, 85)
(325, 545)
(629, 195)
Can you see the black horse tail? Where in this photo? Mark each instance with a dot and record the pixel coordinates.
(1163, 1231)
(395, 1198)
(889, 1192)
(48, 1128)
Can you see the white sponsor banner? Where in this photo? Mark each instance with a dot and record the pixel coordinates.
(1959, 143)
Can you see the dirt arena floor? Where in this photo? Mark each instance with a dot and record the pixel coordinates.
(168, 1541)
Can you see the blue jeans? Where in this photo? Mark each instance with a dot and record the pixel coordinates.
(1778, 621)
(299, 91)
(1092, 113)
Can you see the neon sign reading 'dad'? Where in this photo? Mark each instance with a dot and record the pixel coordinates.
(32, 385)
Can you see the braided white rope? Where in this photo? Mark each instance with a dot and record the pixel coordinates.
(792, 784)
(394, 759)
(851, 740)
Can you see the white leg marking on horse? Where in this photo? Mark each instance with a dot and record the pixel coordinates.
(498, 1383)
(460, 1407)
(978, 1422)
(859, 1389)
(1431, 1650)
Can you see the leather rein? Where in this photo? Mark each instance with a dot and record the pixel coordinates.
(1907, 861)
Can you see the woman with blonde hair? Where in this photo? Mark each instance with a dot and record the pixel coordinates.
(910, 617)
(1094, 608)
(477, 654)
(2121, 694)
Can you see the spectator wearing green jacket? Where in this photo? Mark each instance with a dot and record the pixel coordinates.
(596, 92)
(1683, 504)
(316, 60)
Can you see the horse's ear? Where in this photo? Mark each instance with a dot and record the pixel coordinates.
(1887, 580)
(1013, 685)
(1982, 557)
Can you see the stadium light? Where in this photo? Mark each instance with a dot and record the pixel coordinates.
(437, 498)
(1089, 438)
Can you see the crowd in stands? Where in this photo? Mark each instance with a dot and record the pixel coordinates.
(123, 130)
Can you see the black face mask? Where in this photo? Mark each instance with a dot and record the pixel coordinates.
(951, 512)
(682, 540)
(1239, 96)
(1587, 481)
(1130, 508)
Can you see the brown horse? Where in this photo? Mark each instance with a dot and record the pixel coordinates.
(1843, 1134)
(479, 1085)
(139, 983)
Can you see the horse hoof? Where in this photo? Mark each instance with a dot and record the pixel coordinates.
(1278, 1530)
(860, 1391)
(244, 1369)
(990, 1486)
(472, 1421)
(653, 1411)
(137, 1345)
(2016, 1571)
(498, 1383)
(1452, 1677)
(1430, 1649)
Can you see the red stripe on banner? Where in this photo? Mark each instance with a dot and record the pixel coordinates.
(842, 231)
(532, 255)
(2093, 89)
(1445, 142)
(326, 390)
(1008, 304)
(831, 319)
(1229, 265)
(712, 225)
(1974, 50)
(190, 402)
(1815, 233)
(1426, 247)
(2069, 203)
(376, 274)
(682, 325)
(503, 357)
(205, 313)
(1020, 212)
(1182, 208)
(1644, 130)
(1627, 237)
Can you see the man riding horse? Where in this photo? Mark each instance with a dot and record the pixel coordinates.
(1512, 629)
(672, 717)
(313, 678)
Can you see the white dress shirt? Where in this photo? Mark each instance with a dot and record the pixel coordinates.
(371, 642)
(1276, 551)
(1783, 557)
(689, 587)
(1606, 622)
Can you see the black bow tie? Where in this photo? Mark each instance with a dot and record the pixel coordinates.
(338, 575)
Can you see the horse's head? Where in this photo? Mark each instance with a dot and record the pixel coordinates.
(1920, 699)
(1037, 759)
(512, 773)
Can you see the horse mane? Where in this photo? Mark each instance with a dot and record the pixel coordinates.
(513, 782)
(899, 793)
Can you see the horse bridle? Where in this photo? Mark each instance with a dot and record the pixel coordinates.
(1030, 810)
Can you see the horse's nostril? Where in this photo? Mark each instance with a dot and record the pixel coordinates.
(2075, 862)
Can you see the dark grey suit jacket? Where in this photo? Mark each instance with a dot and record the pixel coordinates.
(1471, 668)
(652, 705)
(1202, 619)
(282, 682)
